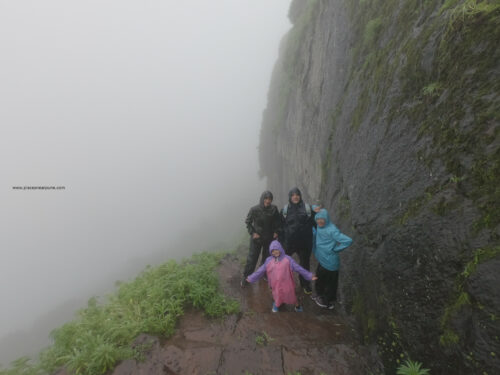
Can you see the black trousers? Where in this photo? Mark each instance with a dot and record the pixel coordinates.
(257, 247)
(327, 283)
(303, 250)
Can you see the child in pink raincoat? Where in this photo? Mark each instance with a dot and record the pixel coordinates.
(278, 268)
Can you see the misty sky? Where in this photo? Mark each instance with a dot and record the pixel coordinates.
(147, 112)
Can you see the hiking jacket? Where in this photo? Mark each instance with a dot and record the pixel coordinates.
(265, 221)
(328, 242)
(297, 224)
(279, 273)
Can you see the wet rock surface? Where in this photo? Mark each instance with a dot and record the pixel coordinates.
(256, 341)
(348, 121)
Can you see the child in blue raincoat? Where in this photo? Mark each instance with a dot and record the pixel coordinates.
(328, 241)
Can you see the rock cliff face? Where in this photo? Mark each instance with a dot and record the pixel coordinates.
(388, 111)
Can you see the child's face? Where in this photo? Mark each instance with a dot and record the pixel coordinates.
(321, 222)
(275, 253)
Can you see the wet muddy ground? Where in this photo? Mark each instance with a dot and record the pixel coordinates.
(256, 341)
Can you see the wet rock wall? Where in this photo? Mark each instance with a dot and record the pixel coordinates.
(388, 111)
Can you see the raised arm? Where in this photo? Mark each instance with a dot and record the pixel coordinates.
(257, 274)
(297, 268)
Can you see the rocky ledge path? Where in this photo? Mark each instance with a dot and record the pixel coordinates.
(256, 341)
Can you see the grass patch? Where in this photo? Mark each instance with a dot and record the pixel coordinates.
(264, 339)
(102, 333)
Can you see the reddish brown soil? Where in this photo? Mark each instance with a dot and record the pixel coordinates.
(316, 341)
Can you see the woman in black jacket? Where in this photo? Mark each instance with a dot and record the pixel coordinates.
(298, 221)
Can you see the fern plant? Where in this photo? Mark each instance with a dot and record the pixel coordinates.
(412, 368)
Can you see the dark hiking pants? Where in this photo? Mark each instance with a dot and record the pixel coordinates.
(257, 247)
(327, 283)
(303, 250)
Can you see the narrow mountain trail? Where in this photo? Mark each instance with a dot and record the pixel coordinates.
(256, 341)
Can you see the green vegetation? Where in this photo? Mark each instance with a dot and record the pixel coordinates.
(467, 32)
(412, 368)
(263, 339)
(366, 317)
(431, 65)
(288, 373)
(298, 33)
(415, 205)
(389, 344)
(432, 89)
(480, 256)
(429, 69)
(472, 8)
(372, 29)
(461, 298)
(102, 334)
(447, 5)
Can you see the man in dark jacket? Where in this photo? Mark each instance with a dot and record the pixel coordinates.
(263, 223)
(298, 221)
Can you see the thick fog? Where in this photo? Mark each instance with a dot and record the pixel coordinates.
(147, 113)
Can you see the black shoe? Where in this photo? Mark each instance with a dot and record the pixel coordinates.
(321, 302)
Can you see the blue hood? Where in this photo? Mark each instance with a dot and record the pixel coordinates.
(323, 214)
(328, 241)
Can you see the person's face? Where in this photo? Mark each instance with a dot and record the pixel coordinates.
(267, 202)
(275, 253)
(295, 198)
(321, 222)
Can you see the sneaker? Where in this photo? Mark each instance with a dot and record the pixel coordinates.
(275, 308)
(298, 309)
(307, 290)
(320, 302)
(330, 306)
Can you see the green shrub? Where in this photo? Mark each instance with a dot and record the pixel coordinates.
(102, 333)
